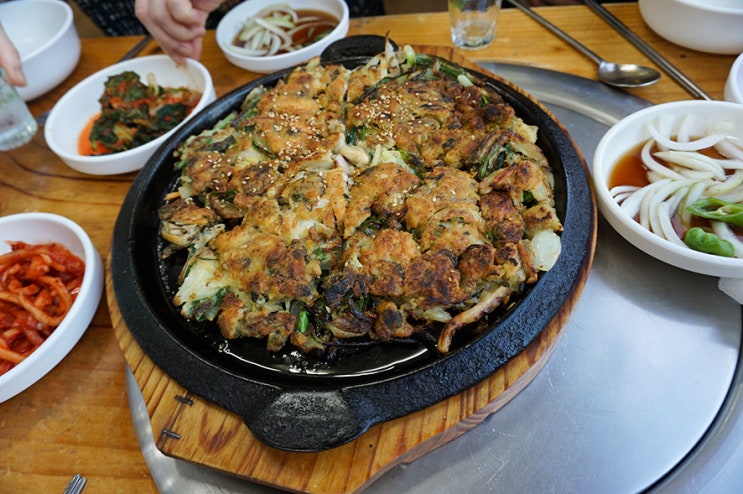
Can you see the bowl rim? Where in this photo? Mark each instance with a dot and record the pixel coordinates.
(238, 11)
(84, 160)
(705, 7)
(68, 21)
(734, 81)
(630, 229)
(77, 320)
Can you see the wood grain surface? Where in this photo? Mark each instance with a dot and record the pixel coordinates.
(190, 428)
(77, 418)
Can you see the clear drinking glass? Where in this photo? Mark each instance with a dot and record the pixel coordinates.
(473, 22)
(17, 125)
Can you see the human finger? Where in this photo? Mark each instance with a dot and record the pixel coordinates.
(10, 60)
(172, 26)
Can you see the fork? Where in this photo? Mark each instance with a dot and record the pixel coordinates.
(76, 485)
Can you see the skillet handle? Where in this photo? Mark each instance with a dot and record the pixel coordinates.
(355, 47)
(304, 421)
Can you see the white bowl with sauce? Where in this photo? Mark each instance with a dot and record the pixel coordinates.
(42, 228)
(44, 33)
(233, 22)
(624, 137)
(74, 111)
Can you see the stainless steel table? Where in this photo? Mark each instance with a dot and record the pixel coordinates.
(642, 394)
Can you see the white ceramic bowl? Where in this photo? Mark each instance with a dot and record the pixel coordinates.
(232, 23)
(734, 82)
(44, 33)
(627, 135)
(78, 106)
(713, 26)
(37, 228)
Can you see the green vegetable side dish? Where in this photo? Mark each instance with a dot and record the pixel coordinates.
(134, 113)
(716, 209)
(700, 240)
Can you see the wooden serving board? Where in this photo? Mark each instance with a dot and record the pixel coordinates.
(192, 429)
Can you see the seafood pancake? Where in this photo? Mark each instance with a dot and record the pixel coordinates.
(400, 199)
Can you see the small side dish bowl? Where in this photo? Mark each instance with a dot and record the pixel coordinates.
(41, 228)
(74, 111)
(44, 34)
(629, 134)
(233, 22)
(734, 82)
(712, 26)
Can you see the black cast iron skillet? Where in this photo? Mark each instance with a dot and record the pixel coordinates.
(293, 402)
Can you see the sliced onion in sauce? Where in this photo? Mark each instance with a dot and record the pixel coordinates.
(695, 193)
(696, 145)
(271, 31)
(652, 164)
(693, 161)
(730, 149)
(724, 231)
(680, 174)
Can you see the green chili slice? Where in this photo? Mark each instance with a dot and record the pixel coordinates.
(700, 240)
(303, 322)
(716, 209)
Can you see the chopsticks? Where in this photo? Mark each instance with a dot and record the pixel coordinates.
(134, 51)
(648, 50)
(76, 485)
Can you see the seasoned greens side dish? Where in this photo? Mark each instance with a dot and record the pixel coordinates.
(134, 113)
(403, 198)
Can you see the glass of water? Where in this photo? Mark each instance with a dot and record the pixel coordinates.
(473, 22)
(17, 125)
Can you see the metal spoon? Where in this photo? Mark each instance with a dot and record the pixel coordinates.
(648, 50)
(611, 74)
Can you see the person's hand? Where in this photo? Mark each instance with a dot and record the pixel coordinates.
(177, 25)
(10, 60)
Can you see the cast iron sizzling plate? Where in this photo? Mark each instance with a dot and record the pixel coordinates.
(293, 402)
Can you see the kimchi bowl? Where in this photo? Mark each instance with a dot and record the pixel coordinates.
(694, 123)
(73, 113)
(45, 228)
